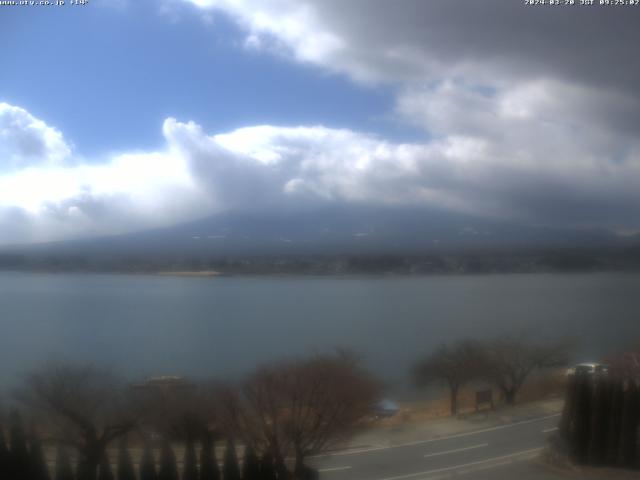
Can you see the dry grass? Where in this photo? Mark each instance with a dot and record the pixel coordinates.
(539, 387)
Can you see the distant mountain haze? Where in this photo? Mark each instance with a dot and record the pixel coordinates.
(327, 232)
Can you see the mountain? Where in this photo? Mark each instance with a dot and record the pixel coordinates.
(332, 231)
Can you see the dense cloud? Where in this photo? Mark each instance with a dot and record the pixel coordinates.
(25, 140)
(494, 40)
(267, 168)
(543, 100)
(47, 199)
(528, 113)
(254, 168)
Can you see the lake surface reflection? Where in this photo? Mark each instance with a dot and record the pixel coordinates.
(147, 325)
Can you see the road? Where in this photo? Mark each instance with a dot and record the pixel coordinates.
(473, 454)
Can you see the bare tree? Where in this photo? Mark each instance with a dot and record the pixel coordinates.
(452, 365)
(263, 404)
(302, 407)
(508, 361)
(81, 406)
(328, 395)
(179, 409)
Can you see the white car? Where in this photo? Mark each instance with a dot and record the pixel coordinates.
(588, 368)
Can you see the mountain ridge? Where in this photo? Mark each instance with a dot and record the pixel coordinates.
(332, 240)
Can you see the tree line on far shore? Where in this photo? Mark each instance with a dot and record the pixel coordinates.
(279, 416)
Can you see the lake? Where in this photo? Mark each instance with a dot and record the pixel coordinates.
(152, 325)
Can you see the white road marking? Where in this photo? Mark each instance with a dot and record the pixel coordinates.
(333, 469)
(428, 455)
(438, 439)
(464, 465)
(547, 430)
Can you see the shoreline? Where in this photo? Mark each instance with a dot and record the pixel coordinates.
(189, 273)
(323, 274)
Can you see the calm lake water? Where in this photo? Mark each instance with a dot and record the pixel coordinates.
(147, 325)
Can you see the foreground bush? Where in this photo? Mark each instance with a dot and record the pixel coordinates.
(601, 420)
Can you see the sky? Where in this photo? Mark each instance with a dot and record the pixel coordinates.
(122, 115)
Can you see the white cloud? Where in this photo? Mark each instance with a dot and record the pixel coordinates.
(25, 140)
(297, 31)
(54, 195)
(254, 168)
(475, 162)
(523, 124)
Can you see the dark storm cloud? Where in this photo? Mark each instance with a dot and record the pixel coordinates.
(593, 45)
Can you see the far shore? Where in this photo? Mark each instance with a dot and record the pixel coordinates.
(198, 273)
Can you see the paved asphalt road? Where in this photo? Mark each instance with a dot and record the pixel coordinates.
(500, 451)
